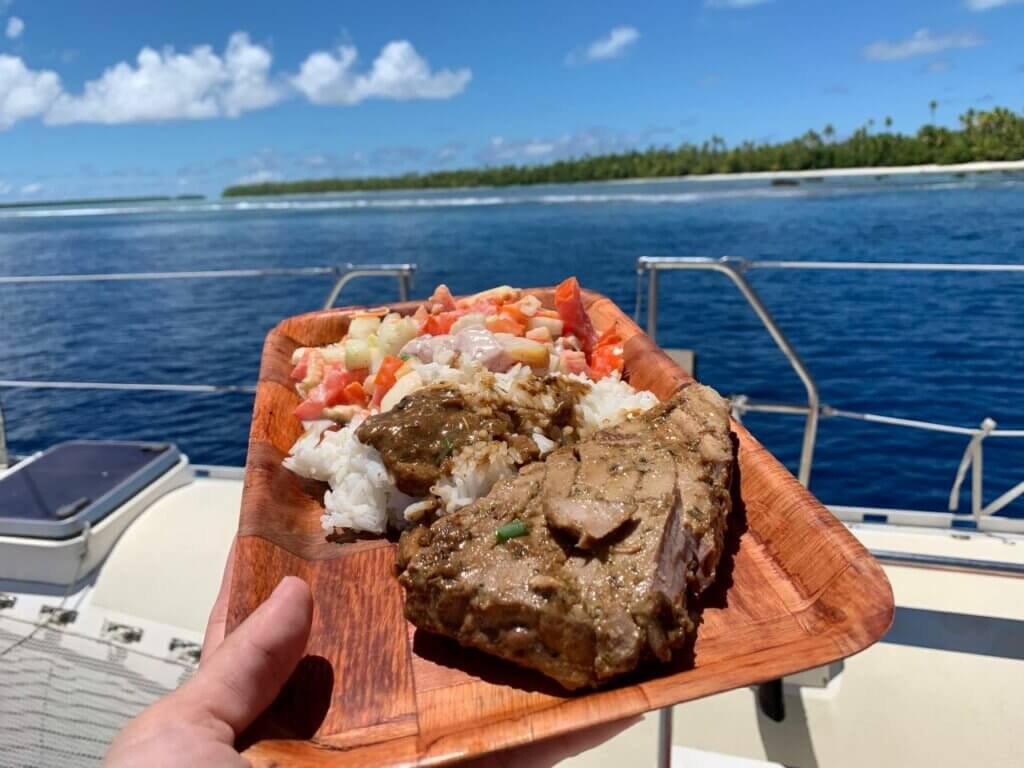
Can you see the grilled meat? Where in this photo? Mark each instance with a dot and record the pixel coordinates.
(608, 535)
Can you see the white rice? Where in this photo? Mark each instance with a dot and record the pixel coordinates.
(476, 468)
(363, 496)
(306, 458)
(608, 403)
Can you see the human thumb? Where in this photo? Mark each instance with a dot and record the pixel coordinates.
(248, 670)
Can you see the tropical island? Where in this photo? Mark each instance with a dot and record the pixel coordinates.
(994, 135)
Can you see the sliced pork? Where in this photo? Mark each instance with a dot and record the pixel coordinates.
(580, 565)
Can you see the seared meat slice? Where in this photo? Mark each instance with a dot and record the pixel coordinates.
(694, 428)
(615, 526)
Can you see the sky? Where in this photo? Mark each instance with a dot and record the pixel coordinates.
(130, 98)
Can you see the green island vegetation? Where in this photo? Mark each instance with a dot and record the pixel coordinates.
(997, 134)
(101, 201)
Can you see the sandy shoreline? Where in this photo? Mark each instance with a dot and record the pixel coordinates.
(884, 170)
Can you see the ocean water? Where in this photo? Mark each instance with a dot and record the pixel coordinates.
(939, 347)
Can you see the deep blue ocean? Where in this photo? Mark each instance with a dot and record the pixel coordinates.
(939, 347)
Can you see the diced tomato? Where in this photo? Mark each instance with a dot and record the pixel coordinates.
(332, 390)
(570, 309)
(513, 313)
(609, 338)
(442, 297)
(441, 323)
(355, 394)
(499, 324)
(309, 410)
(339, 387)
(385, 377)
(300, 370)
(606, 356)
(606, 359)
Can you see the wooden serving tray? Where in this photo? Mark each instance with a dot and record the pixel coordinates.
(795, 590)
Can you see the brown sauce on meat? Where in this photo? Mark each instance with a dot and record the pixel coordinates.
(417, 438)
(421, 433)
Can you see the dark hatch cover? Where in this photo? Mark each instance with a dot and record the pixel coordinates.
(55, 494)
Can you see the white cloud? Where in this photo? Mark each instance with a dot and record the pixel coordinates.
(201, 84)
(733, 3)
(502, 151)
(168, 85)
(987, 5)
(24, 92)
(15, 27)
(248, 69)
(32, 189)
(919, 44)
(398, 73)
(538, 148)
(448, 152)
(258, 177)
(611, 46)
(5, 188)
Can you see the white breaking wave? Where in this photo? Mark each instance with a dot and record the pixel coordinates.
(537, 197)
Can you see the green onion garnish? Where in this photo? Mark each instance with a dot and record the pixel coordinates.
(511, 531)
(405, 356)
(447, 448)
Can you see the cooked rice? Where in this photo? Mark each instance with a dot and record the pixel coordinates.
(609, 402)
(476, 468)
(363, 496)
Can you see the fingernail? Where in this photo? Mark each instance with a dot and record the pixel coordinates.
(281, 584)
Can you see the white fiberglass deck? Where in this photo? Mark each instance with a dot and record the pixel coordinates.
(944, 688)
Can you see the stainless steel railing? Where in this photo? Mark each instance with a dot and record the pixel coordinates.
(343, 274)
(729, 267)
(648, 269)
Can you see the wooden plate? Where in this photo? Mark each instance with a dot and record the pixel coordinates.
(795, 590)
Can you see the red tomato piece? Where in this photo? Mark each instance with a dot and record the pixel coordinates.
(309, 410)
(513, 313)
(336, 378)
(440, 324)
(606, 359)
(385, 378)
(574, 316)
(608, 338)
(355, 394)
(442, 296)
(302, 368)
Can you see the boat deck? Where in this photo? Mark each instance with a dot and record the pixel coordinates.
(943, 688)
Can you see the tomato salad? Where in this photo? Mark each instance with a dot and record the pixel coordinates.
(371, 368)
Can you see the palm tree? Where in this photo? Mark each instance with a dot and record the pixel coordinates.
(828, 132)
(933, 105)
(888, 122)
